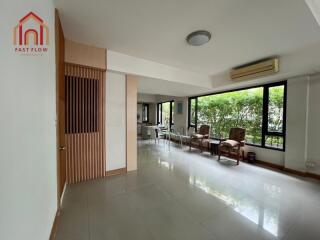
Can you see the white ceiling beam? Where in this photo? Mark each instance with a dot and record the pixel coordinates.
(137, 66)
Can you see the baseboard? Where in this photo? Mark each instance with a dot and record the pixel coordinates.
(62, 195)
(55, 225)
(116, 172)
(288, 170)
(270, 165)
(296, 172)
(313, 175)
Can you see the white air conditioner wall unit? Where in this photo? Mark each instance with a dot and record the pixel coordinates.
(256, 69)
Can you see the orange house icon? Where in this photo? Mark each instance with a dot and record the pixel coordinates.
(31, 27)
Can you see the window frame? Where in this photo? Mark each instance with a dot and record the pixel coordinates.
(159, 118)
(265, 109)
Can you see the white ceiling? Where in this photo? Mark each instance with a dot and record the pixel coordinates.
(242, 30)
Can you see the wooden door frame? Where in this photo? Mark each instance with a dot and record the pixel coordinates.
(59, 51)
(59, 55)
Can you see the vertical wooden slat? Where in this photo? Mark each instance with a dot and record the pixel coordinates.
(79, 127)
(89, 125)
(82, 129)
(98, 123)
(78, 176)
(74, 89)
(68, 135)
(85, 150)
(67, 93)
(104, 121)
(71, 127)
(74, 169)
(66, 119)
(92, 129)
(69, 145)
(101, 124)
(84, 125)
(95, 138)
(80, 122)
(75, 125)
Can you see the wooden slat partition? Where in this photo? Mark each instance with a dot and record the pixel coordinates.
(85, 122)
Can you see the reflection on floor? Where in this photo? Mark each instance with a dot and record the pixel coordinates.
(177, 194)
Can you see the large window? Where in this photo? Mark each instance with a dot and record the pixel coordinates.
(165, 114)
(260, 110)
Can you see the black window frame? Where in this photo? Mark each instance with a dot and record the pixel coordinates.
(145, 105)
(265, 109)
(159, 116)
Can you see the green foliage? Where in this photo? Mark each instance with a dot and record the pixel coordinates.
(234, 109)
(275, 116)
(166, 114)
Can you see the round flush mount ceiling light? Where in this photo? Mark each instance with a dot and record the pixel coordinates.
(198, 38)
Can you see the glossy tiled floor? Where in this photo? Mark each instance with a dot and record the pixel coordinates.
(176, 194)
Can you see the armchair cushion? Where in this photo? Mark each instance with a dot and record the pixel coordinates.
(197, 136)
(230, 143)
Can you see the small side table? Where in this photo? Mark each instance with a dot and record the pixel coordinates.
(214, 146)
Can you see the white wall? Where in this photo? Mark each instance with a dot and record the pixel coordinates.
(28, 179)
(313, 149)
(115, 121)
(267, 155)
(181, 120)
(303, 131)
(297, 94)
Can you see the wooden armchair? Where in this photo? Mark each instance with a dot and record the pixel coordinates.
(233, 144)
(197, 138)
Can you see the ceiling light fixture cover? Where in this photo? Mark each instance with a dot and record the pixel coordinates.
(198, 38)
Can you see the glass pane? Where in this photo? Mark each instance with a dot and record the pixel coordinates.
(274, 141)
(172, 121)
(159, 113)
(233, 109)
(275, 109)
(166, 114)
(146, 112)
(193, 111)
